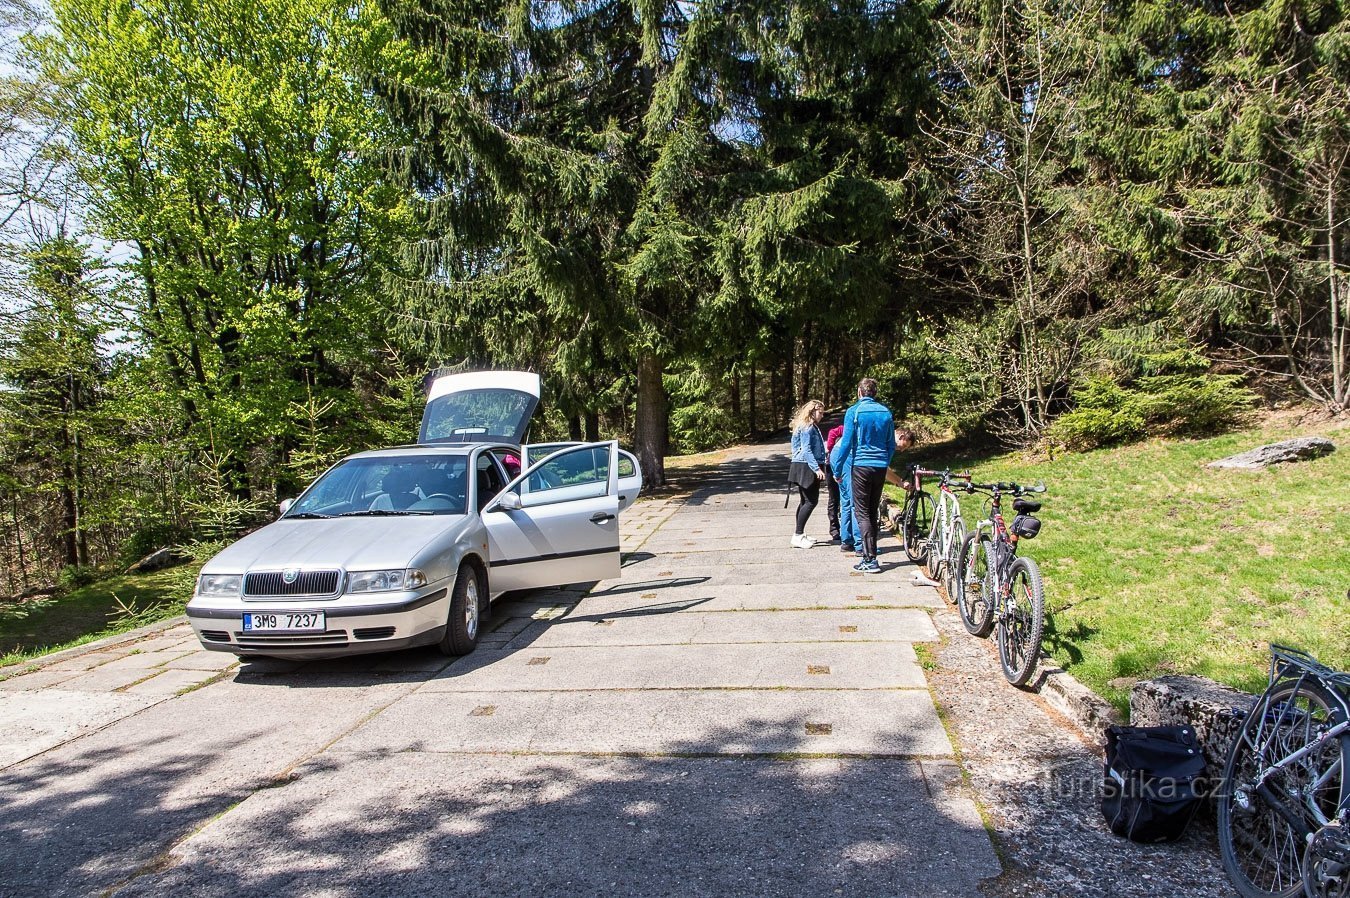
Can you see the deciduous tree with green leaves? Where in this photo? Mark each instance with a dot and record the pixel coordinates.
(232, 150)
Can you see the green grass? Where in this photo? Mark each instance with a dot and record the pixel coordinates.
(110, 606)
(1156, 564)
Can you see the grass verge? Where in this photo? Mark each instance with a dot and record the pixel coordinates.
(110, 606)
(1155, 563)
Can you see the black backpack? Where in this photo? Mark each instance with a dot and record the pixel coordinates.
(1154, 781)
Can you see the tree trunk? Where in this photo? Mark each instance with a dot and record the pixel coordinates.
(18, 543)
(736, 394)
(592, 427)
(1339, 391)
(652, 425)
(574, 428)
(754, 422)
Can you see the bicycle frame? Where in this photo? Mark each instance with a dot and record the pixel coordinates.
(1001, 536)
(947, 514)
(1290, 666)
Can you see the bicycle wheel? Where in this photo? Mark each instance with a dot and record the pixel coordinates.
(974, 585)
(932, 565)
(952, 564)
(1261, 848)
(1020, 622)
(914, 527)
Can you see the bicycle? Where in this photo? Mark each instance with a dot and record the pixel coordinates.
(948, 530)
(998, 590)
(916, 518)
(1284, 797)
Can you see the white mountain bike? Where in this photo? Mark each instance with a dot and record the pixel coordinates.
(947, 531)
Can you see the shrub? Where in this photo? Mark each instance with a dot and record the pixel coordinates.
(1166, 392)
(74, 576)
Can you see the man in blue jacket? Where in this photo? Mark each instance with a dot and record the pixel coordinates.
(868, 441)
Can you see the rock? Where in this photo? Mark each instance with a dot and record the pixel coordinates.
(159, 560)
(1289, 450)
(1197, 702)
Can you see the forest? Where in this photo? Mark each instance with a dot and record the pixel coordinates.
(236, 238)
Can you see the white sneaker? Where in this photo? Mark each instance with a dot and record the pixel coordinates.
(802, 541)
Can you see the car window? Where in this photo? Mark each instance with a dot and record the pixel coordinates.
(490, 479)
(477, 416)
(572, 468)
(579, 474)
(536, 451)
(404, 484)
(626, 468)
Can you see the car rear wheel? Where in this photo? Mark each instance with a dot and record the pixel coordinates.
(461, 627)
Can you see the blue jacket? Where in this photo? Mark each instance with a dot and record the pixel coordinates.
(869, 436)
(808, 447)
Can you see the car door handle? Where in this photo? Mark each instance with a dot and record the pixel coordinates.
(601, 516)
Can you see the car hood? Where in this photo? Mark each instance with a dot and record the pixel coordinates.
(354, 544)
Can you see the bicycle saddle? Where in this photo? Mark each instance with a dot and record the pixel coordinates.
(1022, 506)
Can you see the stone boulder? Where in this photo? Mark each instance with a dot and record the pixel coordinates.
(1197, 702)
(1276, 453)
(159, 560)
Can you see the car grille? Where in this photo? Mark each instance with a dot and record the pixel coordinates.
(271, 640)
(307, 583)
(215, 636)
(373, 632)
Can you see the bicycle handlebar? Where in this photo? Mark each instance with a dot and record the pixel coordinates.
(948, 474)
(1016, 489)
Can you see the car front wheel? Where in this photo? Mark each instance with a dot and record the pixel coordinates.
(461, 627)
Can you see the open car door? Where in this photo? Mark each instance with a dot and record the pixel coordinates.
(558, 522)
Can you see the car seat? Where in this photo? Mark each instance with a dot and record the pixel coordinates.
(400, 490)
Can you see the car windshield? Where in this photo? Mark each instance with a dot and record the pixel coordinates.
(387, 485)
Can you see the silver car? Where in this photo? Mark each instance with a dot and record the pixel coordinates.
(409, 546)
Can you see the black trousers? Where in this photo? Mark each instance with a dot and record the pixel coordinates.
(832, 506)
(867, 483)
(810, 496)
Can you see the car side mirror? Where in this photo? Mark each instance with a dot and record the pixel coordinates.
(506, 502)
(285, 505)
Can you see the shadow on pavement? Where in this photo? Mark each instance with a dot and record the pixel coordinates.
(512, 825)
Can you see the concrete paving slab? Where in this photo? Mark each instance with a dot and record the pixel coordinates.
(749, 573)
(100, 680)
(33, 722)
(642, 627)
(87, 662)
(763, 597)
(803, 666)
(39, 678)
(170, 682)
(792, 565)
(622, 827)
(88, 814)
(898, 723)
(203, 660)
(143, 661)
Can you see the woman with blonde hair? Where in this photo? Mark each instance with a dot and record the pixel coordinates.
(808, 466)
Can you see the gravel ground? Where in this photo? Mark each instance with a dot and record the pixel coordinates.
(1036, 778)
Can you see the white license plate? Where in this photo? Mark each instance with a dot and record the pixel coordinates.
(290, 621)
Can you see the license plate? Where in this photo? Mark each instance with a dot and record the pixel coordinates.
(284, 620)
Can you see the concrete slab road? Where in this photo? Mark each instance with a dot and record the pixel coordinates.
(733, 717)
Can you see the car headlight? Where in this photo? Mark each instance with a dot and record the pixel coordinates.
(385, 581)
(217, 585)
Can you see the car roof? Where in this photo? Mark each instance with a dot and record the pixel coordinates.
(426, 449)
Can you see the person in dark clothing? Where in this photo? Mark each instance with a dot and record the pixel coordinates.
(832, 508)
(869, 438)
